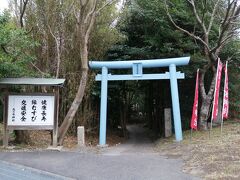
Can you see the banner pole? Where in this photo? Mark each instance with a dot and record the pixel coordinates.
(210, 129)
(221, 126)
(216, 93)
(193, 123)
(191, 135)
(225, 105)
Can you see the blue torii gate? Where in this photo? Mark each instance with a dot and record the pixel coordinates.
(137, 74)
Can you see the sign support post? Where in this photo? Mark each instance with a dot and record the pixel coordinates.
(56, 112)
(5, 111)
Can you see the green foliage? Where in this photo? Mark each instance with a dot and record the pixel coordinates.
(15, 49)
(150, 32)
(56, 21)
(233, 50)
(105, 34)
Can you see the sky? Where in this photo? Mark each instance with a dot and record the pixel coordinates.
(3, 5)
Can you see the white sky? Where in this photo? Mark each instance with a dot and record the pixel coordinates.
(3, 5)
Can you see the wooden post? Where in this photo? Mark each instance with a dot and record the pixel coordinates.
(5, 115)
(55, 126)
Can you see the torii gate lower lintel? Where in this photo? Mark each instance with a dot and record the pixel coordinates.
(137, 74)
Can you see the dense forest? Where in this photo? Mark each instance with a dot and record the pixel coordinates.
(57, 38)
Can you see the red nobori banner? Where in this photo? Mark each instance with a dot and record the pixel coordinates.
(217, 89)
(225, 95)
(195, 105)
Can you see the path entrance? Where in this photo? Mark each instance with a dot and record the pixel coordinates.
(139, 142)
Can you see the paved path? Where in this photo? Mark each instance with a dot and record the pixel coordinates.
(138, 143)
(134, 160)
(10, 171)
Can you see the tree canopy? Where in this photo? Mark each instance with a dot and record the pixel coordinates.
(16, 52)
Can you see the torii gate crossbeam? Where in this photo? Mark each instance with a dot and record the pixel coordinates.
(137, 74)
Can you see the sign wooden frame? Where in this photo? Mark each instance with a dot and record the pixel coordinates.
(53, 127)
(30, 127)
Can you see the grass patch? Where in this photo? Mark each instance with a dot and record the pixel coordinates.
(217, 157)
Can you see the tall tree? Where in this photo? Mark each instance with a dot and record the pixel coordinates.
(86, 13)
(66, 30)
(218, 24)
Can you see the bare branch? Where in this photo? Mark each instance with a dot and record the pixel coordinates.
(223, 42)
(227, 14)
(204, 5)
(69, 9)
(212, 16)
(90, 26)
(39, 70)
(83, 2)
(227, 26)
(184, 30)
(76, 15)
(4, 49)
(200, 22)
(22, 11)
(58, 49)
(105, 5)
(94, 6)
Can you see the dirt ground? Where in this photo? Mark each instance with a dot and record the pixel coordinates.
(217, 157)
(42, 139)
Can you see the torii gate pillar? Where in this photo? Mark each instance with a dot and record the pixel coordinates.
(103, 108)
(175, 103)
(137, 74)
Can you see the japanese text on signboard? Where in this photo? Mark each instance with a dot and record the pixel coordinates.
(30, 110)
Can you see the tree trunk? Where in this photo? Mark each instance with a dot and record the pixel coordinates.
(205, 112)
(85, 17)
(74, 107)
(206, 101)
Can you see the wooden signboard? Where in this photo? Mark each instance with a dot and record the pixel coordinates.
(31, 111)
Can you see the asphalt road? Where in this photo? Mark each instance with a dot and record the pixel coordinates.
(134, 160)
(10, 171)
